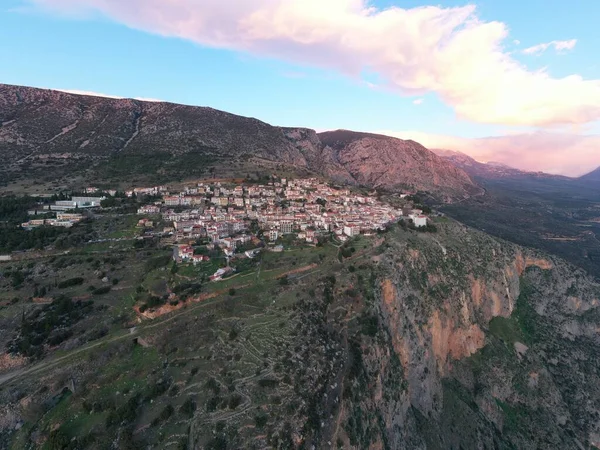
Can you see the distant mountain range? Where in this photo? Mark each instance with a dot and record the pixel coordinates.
(490, 170)
(593, 177)
(63, 138)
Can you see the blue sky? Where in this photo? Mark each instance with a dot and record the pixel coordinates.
(52, 44)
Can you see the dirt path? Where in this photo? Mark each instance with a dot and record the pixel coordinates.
(129, 334)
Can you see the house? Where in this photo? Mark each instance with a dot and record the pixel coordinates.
(182, 253)
(287, 226)
(273, 235)
(148, 209)
(172, 201)
(351, 230)
(420, 220)
(199, 258)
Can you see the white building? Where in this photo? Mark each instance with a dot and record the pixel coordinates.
(420, 220)
(351, 230)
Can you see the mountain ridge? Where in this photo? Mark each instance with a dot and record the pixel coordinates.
(54, 135)
(593, 176)
(491, 170)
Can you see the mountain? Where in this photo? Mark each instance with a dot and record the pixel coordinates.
(490, 170)
(382, 161)
(593, 176)
(68, 139)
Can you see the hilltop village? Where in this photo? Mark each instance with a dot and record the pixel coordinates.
(243, 217)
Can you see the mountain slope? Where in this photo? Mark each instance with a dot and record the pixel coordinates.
(51, 135)
(392, 163)
(593, 176)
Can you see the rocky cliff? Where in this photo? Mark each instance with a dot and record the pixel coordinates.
(52, 135)
(490, 340)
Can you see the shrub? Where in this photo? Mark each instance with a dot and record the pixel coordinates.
(70, 282)
(101, 290)
(166, 412)
(261, 420)
(267, 383)
(188, 408)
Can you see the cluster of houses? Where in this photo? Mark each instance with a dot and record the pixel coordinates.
(233, 215)
(305, 207)
(62, 219)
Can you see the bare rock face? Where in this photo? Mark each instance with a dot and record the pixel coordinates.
(390, 163)
(51, 133)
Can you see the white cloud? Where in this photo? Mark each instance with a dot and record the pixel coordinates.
(449, 51)
(558, 153)
(418, 101)
(559, 46)
(517, 42)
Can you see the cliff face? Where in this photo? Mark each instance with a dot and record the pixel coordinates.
(55, 135)
(490, 340)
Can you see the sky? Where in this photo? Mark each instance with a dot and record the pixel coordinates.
(509, 81)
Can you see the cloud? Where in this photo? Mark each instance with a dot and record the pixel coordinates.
(559, 46)
(517, 42)
(557, 153)
(449, 51)
(418, 101)
(98, 94)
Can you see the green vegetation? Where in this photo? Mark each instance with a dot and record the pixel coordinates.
(49, 325)
(70, 282)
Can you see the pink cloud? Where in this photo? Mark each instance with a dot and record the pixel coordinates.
(556, 153)
(449, 51)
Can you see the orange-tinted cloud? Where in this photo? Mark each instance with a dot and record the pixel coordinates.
(449, 51)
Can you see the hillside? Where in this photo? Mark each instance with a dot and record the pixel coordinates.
(67, 140)
(413, 341)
